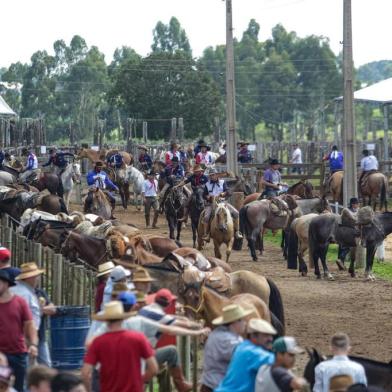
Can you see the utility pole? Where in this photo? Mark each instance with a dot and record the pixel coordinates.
(348, 134)
(231, 139)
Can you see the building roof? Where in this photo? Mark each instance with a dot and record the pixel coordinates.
(5, 109)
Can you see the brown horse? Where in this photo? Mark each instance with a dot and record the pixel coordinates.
(221, 230)
(336, 186)
(100, 205)
(162, 246)
(304, 189)
(375, 185)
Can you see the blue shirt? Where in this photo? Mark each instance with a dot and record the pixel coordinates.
(92, 179)
(177, 172)
(196, 180)
(272, 176)
(32, 162)
(244, 156)
(116, 159)
(335, 160)
(58, 159)
(146, 159)
(243, 368)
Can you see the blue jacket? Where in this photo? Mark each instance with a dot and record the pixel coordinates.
(335, 162)
(146, 159)
(59, 159)
(244, 156)
(196, 181)
(117, 159)
(32, 162)
(177, 172)
(105, 181)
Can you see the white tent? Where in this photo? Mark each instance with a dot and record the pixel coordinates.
(380, 92)
(5, 109)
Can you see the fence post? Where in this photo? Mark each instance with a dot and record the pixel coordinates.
(57, 279)
(195, 363)
(185, 355)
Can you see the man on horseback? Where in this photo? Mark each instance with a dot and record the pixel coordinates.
(272, 180)
(197, 149)
(216, 187)
(369, 165)
(173, 152)
(172, 173)
(99, 179)
(197, 180)
(204, 157)
(31, 167)
(244, 155)
(57, 158)
(115, 160)
(335, 158)
(145, 161)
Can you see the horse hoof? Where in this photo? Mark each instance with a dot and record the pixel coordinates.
(352, 274)
(304, 274)
(254, 259)
(318, 276)
(340, 265)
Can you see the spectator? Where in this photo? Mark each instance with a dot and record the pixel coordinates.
(244, 155)
(117, 275)
(16, 326)
(6, 379)
(39, 379)
(248, 357)
(102, 276)
(279, 377)
(142, 280)
(296, 158)
(150, 199)
(221, 344)
(340, 383)
(5, 263)
(67, 382)
(338, 365)
(119, 353)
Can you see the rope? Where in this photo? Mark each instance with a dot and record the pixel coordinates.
(200, 306)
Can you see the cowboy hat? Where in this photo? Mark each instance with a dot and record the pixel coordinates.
(142, 147)
(98, 164)
(204, 144)
(141, 275)
(260, 326)
(197, 168)
(274, 162)
(212, 171)
(231, 313)
(105, 268)
(242, 144)
(113, 310)
(29, 270)
(119, 273)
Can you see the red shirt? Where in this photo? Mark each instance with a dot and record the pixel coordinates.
(13, 315)
(99, 295)
(119, 354)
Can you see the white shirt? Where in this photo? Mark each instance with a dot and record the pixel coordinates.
(206, 158)
(338, 365)
(150, 188)
(369, 163)
(215, 188)
(296, 156)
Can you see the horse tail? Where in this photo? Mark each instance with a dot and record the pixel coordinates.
(383, 195)
(275, 302)
(244, 228)
(275, 322)
(292, 249)
(341, 191)
(312, 246)
(63, 207)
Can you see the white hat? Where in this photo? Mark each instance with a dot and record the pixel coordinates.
(105, 268)
(260, 326)
(118, 273)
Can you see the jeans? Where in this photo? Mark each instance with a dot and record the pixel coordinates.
(169, 355)
(18, 364)
(44, 354)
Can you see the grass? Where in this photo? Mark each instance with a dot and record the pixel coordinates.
(381, 269)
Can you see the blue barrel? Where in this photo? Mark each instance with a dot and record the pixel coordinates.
(68, 331)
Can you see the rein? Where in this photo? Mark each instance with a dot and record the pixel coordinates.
(201, 303)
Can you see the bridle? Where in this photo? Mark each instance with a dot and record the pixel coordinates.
(199, 307)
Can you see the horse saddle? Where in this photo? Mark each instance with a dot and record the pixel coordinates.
(218, 280)
(365, 178)
(348, 218)
(278, 207)
(33, 177)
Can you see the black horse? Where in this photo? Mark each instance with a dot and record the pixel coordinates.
(174, 210)
(378, 374)
(196, 206)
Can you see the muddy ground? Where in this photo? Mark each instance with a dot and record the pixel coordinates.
(314, 309)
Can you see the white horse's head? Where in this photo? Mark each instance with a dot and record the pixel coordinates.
(76, 171)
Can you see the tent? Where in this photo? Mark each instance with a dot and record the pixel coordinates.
(5, 109)
(380, 93)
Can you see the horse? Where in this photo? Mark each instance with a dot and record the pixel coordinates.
(70, 175)
(91, 155)
(376, 184)
(100, 205)
(127, 157)
(304, 189)
(196, 207)
(221, 229)
(257, 216)
(174, 210)
(6, 178)
(119, 178)
(336, 186)
(162, 246)
(323, 230)
(234, 283)
(136, 178)
(378, 374)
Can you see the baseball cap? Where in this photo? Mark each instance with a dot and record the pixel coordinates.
(286, 344)
(5, 253)
(119, 273)
(127, 298)
(166, 294)
(4, 275)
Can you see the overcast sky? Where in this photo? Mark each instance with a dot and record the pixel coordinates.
(30, 25)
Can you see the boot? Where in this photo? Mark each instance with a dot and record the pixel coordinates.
(206, 229)
(237, 233)
(154, 222)
(147, 221)
(179, 382)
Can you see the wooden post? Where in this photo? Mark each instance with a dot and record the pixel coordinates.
(80, 282)
(181, 129)
(57, 278)
(185, 354)
(195, 363)
(173, 134)
(145, 136)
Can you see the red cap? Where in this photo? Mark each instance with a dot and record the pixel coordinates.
(165, 293)
(5, 253)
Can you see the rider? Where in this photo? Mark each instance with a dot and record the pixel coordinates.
(213, 188)
(272, 179)
(145, 161)
(369, 165)
(173, 152)
(204, 157)
(197, 179)
(99, 179)
(244, 155)
(115, 160)
(172, 173)
(335, 158)
(31, 166)
(197, 149)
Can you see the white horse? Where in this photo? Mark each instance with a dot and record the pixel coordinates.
(136, 178)
(70, 175)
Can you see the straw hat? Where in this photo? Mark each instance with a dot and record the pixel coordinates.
(141, 275)
(142, 147)
(197, 168)
(340, 383)
(105, 268)
(119, 288)
(29, 270)
(231, 313)
(260, 326)
(113, 310)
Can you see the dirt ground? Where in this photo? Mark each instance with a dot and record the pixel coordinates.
(314, 309)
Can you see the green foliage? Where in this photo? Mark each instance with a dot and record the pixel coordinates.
(375, 71)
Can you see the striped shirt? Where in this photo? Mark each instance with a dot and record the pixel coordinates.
(338, 365)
